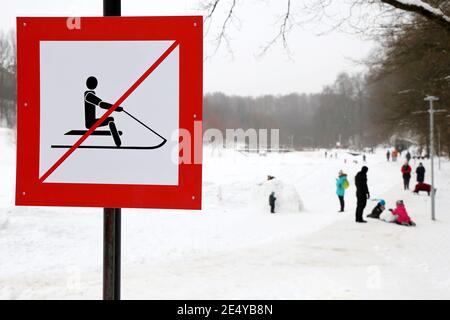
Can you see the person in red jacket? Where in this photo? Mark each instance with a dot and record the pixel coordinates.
(401, 215)
(406, 172)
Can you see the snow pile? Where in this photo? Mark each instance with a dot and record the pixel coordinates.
(254, 196)
(288, 199)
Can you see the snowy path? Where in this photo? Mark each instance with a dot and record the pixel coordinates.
(341, 261)
(234, 248)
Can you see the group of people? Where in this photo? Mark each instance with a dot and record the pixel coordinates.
(406, 174)
(330, 155)
(392, 155)
(398, 215)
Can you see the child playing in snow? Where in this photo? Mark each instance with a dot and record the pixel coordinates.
(400, 215)
(341, 185)
(422, 186)
(378, 210)
(272, 200)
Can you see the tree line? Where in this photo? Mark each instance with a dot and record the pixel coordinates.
(7, 79)
(358, 110)
(412, 61)
(339, 114)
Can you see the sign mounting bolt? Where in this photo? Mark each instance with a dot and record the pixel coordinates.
(193, 197)
(24, 193)
(195, 24)
(24, 24)
(25, 104)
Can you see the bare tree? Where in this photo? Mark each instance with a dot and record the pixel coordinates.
(363, 16)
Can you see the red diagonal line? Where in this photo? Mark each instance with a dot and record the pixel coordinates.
(111, 110)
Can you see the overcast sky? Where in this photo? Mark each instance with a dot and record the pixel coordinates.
(314, 61)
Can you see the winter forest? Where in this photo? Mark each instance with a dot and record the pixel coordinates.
(365, 109)
(358, 110)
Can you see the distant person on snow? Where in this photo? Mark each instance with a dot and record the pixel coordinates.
(362, 193)
(388, 155)
(422, 186)
(341, 185)
(272, 200)
(408, 156)
(364, 158)
(401, 215)
(420, 172)
(378, 210)
(406, 173)
(394, 155)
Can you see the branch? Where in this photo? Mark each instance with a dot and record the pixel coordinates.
(285, 27)
(222, 35)
(422, 8)
(211, 8)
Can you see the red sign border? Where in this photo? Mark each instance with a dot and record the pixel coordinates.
(187, 31)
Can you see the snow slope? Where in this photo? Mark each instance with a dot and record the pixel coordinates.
(234, 248)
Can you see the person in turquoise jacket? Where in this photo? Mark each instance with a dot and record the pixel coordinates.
(341, 184)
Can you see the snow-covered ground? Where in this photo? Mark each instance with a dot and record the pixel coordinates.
(233, 248)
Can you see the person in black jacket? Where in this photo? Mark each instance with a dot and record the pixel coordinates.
(272, 200)
(420, 172)
(362, 193)
(378, 210)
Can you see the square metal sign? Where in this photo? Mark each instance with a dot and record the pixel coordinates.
(102, 103)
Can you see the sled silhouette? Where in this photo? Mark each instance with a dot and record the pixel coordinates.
(95, 133)
(105, 133)
(112, 147)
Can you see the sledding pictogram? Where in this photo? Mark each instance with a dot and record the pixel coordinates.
(91, 102)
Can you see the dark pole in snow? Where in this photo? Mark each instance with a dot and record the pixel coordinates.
(111, 216)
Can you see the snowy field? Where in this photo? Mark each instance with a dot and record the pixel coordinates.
(233, 248)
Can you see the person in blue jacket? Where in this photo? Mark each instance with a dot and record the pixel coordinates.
(341, 184)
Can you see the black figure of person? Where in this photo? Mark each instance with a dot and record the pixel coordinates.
(90, 102)
(420, 171)
(272, 200)
(362, 193)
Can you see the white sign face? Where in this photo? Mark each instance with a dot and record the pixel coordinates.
(79, 80)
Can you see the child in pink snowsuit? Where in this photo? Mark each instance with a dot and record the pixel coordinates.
(401, 215)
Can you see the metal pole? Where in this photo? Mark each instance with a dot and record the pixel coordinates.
(112, 8)
(432, 158)
(112, 217)
(431, 111)
(439, 147)
(111, 253)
